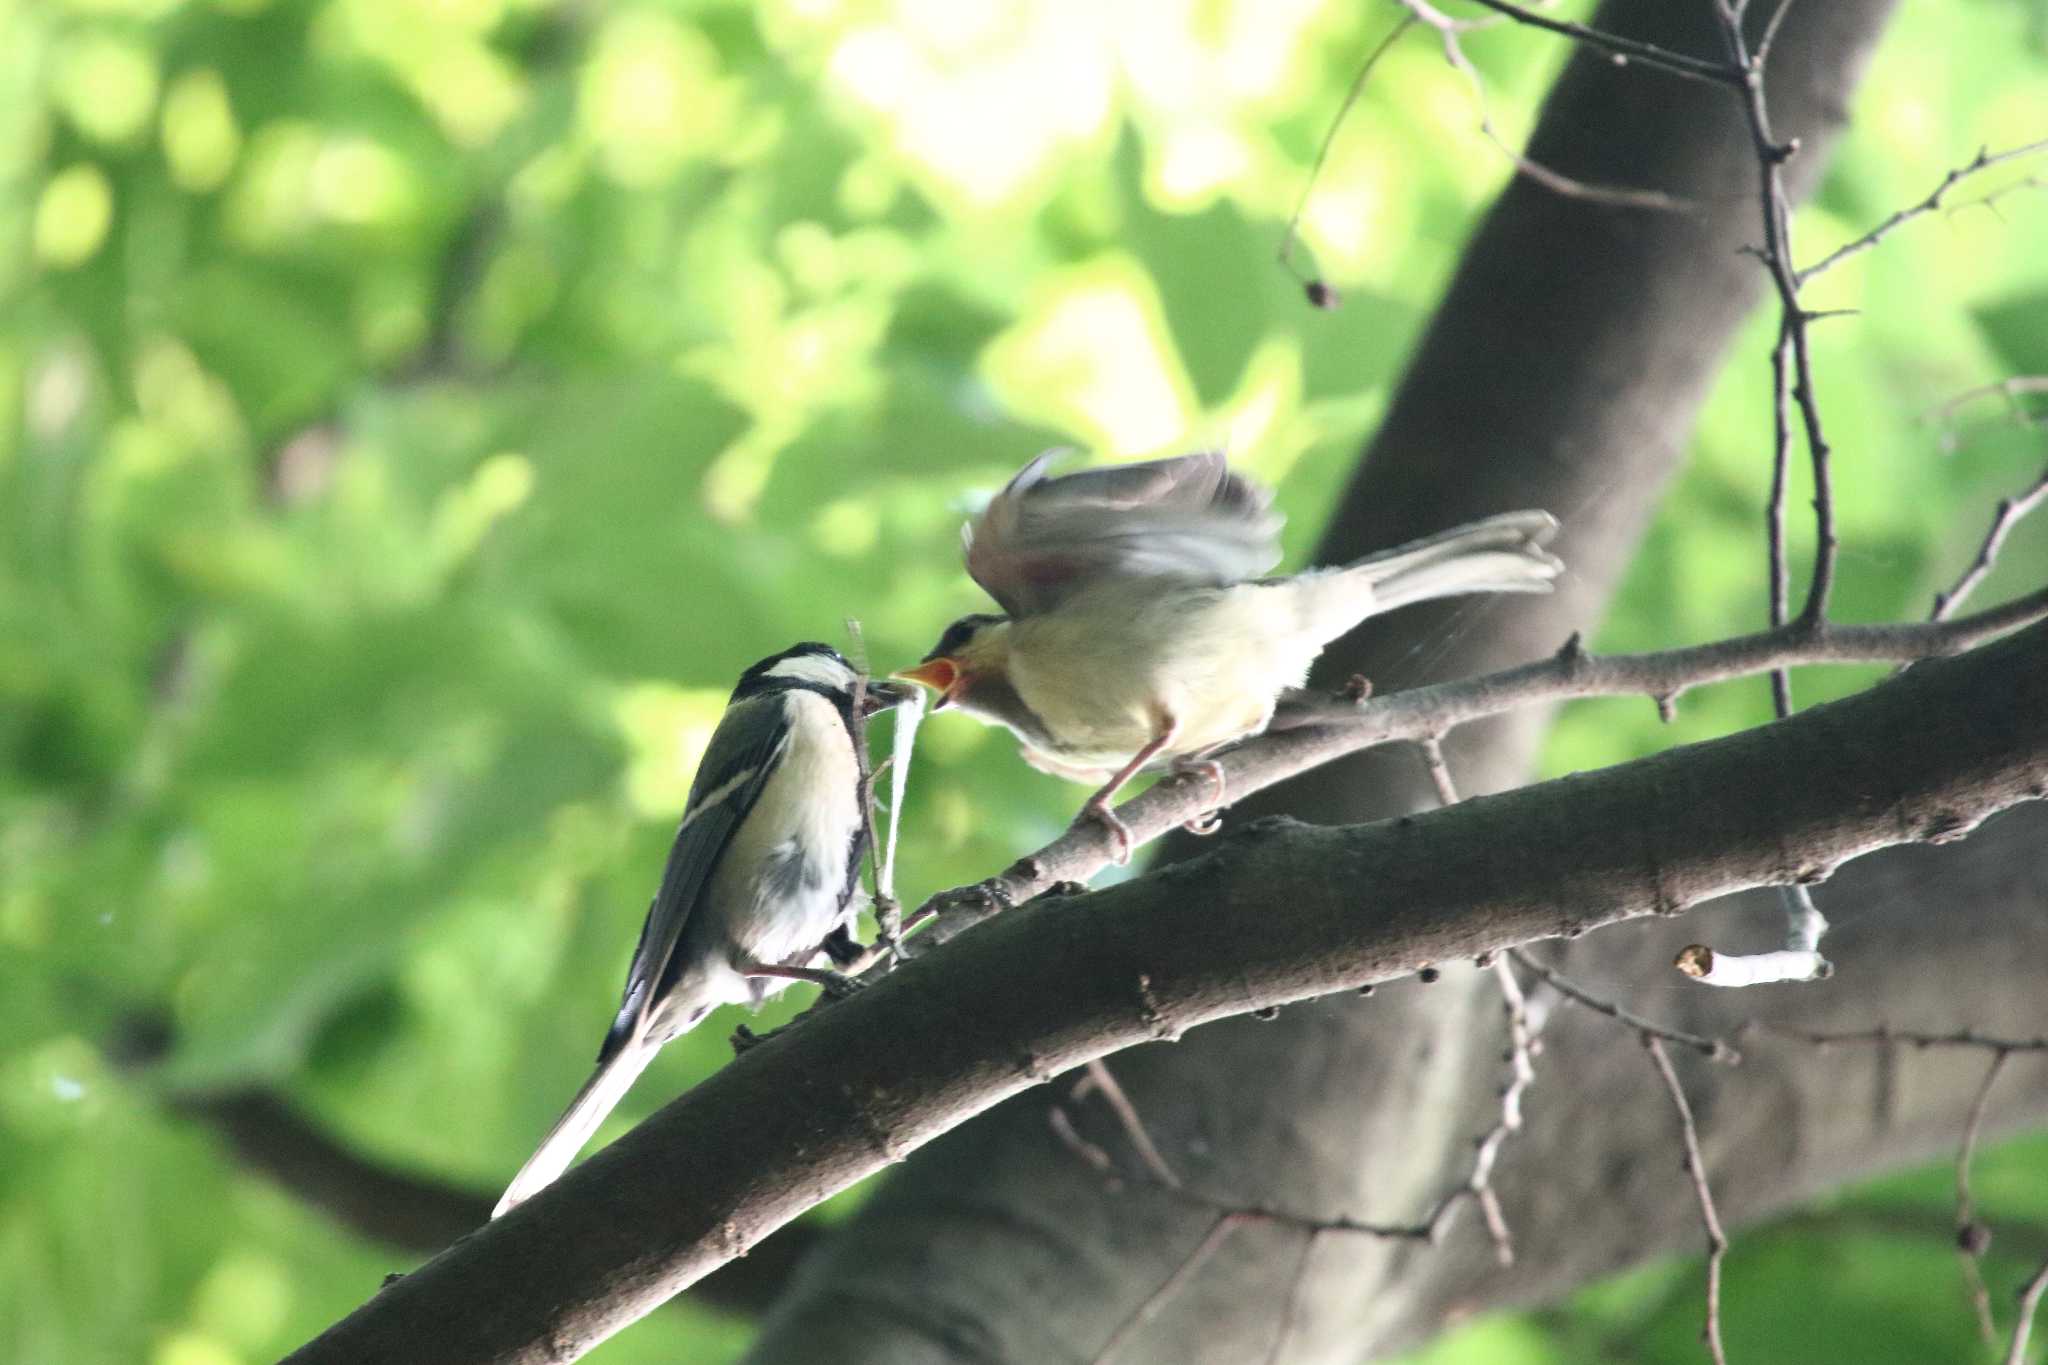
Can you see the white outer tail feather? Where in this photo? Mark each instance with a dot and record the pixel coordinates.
(599, 1095)
(1500, 554)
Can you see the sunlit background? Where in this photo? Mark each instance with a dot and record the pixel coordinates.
(414, 414)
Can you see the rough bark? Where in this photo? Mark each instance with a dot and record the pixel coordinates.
(1282, 912)
(1563, 369)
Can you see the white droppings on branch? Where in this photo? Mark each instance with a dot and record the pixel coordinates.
(1710, 968)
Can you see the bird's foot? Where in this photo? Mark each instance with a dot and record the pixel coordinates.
(1209, 769)
(835, 985)
(838, 985)
(1098, 810)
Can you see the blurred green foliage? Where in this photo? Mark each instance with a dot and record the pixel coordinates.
(412, 417)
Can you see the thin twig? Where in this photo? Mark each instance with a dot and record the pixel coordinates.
(1774, 515)
(1984, 160)
(1221, 1229)
(1556, 181)
(1521, 1075)
(2030, 1302)
(1092, 1154)
(1776, 255)
(2010, 389)
(1315, 170)
(1432, 749)
(1770, 34)
(1695, 1166)
(1714, 1049)
(1973, 1239)
(1101, 1078)
(1885, 1034)
(1626, 49)
(2011, 511)
(1285, 1331)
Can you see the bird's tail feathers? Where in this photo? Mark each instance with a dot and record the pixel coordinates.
(1500, 554)
(600, 1094)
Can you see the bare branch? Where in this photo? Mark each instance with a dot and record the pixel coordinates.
(1285, 1331)
(1320, 293)
(1101, 1078)
(1225, 1224)
(1973, 1239)
(1447, 31)
(2030, 1302)
(1776, 255)
(1432, 749)
(1623, 49)
(1713, 1049)
(2010, 389)
(1883, 1034)
(1696, 1168)
(1345, 727)
(2011, 511)
(1984, 160)
(1522, 1031)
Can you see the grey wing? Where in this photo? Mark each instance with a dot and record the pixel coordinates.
(744, 752)
(1040, 540)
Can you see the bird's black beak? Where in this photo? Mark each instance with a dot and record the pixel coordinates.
(881, 695)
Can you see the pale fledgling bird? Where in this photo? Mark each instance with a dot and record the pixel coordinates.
(763, 872)
(1137, 633)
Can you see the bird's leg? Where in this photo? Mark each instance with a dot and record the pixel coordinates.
(1097, 806)
(837, 985)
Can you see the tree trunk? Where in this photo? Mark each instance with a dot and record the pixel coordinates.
(1563, 370)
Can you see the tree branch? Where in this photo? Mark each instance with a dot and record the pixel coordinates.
(1281, 913)
(1425, 714)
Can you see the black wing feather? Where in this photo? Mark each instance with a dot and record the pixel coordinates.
(748, 746)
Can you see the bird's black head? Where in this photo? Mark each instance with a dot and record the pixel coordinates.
(953, 642)
(814, 667)
(970, 650)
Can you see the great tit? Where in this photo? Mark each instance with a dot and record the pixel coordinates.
(1136, 631)
(761, 875)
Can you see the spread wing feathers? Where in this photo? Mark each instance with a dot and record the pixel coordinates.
(744, 752)
(1189, 517)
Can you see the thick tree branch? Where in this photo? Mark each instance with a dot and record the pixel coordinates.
(1281, 913)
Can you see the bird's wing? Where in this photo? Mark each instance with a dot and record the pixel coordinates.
(744, 752)
(1189, 517)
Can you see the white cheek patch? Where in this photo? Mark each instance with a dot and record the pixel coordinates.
(820, 669)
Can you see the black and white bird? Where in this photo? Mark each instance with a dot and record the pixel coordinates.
(762, 874)
(1137, 633)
